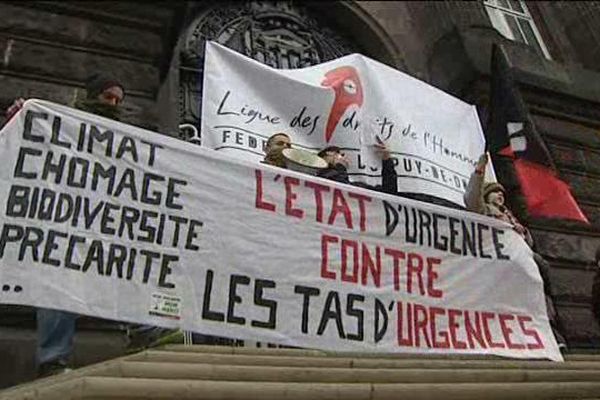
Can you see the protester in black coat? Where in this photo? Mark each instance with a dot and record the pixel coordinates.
(104, 95)
(338, 169)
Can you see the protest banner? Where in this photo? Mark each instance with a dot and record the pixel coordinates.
(349, 102)
(105, 219)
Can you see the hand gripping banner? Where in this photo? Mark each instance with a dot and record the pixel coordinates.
(109, 220)
(351, 102)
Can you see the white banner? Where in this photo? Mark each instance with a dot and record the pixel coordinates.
(105, 219)
(435, 137)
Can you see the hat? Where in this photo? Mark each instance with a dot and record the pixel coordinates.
(98, 83)
(490, 187)
(327, 149)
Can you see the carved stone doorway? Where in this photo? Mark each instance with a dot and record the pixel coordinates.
(280, 34)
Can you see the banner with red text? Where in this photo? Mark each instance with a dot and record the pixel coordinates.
(109, 220)
(349, 102)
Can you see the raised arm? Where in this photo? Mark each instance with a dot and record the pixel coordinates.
(473, 198)
(14, 108)
(389, 178)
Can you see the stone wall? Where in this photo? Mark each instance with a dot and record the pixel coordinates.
(49, 49)
(579, 23)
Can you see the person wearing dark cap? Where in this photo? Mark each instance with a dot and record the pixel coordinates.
(338, 164)
(104, 95)
(56, 328)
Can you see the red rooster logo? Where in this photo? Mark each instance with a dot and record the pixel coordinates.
(348, 91)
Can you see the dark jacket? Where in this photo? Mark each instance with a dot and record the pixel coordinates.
(389, 179)
(95, 107)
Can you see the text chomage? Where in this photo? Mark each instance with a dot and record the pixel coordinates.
(81, 173)
(134, 209)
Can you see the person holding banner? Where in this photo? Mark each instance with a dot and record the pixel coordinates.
(274, 149)
(14, 108)
(103, 96)
(338, 168)
(488, 198)
(55, 328)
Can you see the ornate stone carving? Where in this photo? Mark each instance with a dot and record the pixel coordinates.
(279, 34)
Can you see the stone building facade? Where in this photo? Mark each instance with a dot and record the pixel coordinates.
(156, 49)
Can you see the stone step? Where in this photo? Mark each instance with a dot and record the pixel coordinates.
(18, 347)
(201, 372)
(211, 372)
(288, 351)
(138, 388)
(351, 362)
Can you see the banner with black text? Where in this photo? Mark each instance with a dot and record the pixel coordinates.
(105, 219)
(350, 102)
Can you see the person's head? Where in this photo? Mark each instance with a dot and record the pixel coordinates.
(494, 193)
(274, 148)
(105, 90)
(334, 156)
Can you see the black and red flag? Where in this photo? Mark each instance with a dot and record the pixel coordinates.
(511, 133)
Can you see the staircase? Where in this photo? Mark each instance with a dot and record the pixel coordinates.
(216, 372)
